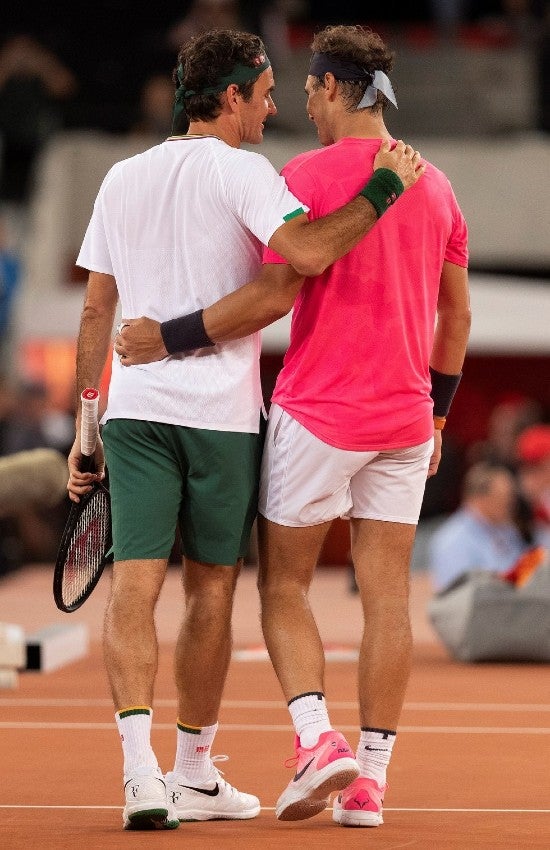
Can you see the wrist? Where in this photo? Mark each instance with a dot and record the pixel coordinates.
(383, 189)
(439, 423)
(443, 389)
(185, 333)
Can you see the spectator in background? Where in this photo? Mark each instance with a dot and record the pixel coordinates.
(481, 534)
(509, 417)
(33, 423)
(36, 435)
(34, 86)
(10, 275)
(269, 18)
(533, 449)
(202, 16)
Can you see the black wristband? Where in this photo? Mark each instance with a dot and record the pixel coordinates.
(383, 189)
(185, 333)
(443, 389)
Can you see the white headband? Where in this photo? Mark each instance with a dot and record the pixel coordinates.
(380, 82)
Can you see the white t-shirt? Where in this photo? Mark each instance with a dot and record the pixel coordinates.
(179, 227)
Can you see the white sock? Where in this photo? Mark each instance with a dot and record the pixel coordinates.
(134, 726)
(310, 717)
(374, 753)
(193, 751)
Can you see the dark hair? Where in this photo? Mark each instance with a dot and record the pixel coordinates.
(207, 57)
(362, 46)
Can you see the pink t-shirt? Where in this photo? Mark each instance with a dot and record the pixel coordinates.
(356, 373)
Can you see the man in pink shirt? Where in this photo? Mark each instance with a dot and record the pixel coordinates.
(377, 346)
(352, 431)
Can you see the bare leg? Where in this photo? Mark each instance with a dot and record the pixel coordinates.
(203, 649)
(288, 557)
(203, 653)
(381, 554)
(130, 639)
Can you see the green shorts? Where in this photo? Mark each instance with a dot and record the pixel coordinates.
(164, 476)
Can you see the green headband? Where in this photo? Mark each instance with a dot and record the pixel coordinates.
(238, 75)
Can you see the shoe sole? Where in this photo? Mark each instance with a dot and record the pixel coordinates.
(148, 819)
(345, 818)
(312, 798)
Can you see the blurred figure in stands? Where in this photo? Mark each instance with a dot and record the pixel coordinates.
(204, 15)
(34, 86)
(33, 463)
(10, 276)
(266, 18)
(269, 19)
(533, 449)
(481, 534)
(34, 424)
(510, 416)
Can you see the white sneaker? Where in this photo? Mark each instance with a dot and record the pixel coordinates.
(146, 803)
(209, 800)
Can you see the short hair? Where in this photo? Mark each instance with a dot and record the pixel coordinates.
(478, 479)
(207, 57)
(362, 46)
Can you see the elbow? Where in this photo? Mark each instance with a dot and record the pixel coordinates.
(281, 307)
(310, 262)
(458, 320)
(92, 312)
(310, 266)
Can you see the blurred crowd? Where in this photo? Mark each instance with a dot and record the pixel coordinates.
(30, 531)
(102, 73)
(504, 502)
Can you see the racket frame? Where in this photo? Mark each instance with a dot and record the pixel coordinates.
(88, 438)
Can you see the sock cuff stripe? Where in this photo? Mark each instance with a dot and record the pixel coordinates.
(317, 694)
(191, 730)
(385, 732)
(134, 709)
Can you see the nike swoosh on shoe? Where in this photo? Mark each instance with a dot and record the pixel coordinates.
(210, 792)
(303, 770)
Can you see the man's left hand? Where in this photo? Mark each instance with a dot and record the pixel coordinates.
(139, 341)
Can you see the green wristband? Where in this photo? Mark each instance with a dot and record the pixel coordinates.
(383, 189)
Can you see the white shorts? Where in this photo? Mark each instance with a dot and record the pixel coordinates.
(305, 481)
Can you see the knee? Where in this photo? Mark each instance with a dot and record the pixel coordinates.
(134, 590)
(280, 592)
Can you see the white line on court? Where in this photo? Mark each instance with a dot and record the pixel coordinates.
(272, 809)
(64, 702)
(259, 727)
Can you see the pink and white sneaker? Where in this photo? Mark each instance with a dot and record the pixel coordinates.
(360, 804)
(326, 767)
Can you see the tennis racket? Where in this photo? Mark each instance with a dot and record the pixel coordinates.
(86, 541)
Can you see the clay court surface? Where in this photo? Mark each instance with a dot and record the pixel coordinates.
(471, 764)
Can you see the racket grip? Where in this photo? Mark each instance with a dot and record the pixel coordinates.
(89, 429)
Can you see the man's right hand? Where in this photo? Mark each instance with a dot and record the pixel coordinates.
(403, 159)
(139, 341)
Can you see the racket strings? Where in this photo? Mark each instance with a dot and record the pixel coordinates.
(87, 547)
